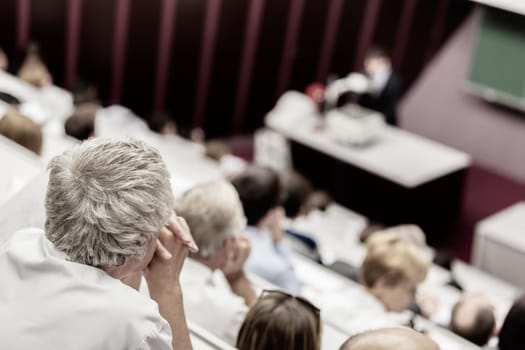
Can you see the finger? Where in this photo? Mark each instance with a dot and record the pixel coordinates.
(161, 251)
(179, 227)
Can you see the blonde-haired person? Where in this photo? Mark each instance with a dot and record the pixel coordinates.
(389, 274)
(218, 292)
(392, 269)
(20, 129)
(281, 321)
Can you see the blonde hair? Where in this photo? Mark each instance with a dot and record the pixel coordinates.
(393, 259)
(22, 130)
(280, 321)
(213, 212)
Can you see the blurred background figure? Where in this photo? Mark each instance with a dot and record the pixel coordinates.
(215, 217)
(392, 269)
(512, 333)
(384, 88)
(260, 193)
(281, 321)
(390, 339)
(4, 61)
(20, 129)
(473, 318)
(32, 68)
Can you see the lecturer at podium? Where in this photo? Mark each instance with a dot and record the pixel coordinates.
(384, 87)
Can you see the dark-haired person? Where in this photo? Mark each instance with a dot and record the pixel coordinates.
(259, 189)
(280, 321)
(384, 88)
(512, 333)
(473, 318)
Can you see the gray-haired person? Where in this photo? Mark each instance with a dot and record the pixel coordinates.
(109, 216)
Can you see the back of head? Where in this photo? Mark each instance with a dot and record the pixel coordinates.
(390, 339)
(296, 189)
(259, 191)
(473, 318)
(213, 212)
(105, 198)
(393, 259)
(512, 333)
(22, 130)
(81, 124)
(280, 321)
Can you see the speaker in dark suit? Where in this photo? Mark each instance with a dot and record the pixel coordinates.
(385, 86)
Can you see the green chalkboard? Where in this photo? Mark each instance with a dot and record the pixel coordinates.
(498, 61)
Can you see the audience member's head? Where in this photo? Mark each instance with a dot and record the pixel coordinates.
(81, 124)
(4, 61)
(377, 61)
(280, 321)
(21, 129)
(214, 214)
(512, 333)
(216, 149)
(295, 191)
(473, 318)
(259, 190)
(33, 70)
(316, 200)
(106, 201)
(390, 339)
(392, 269)
(84, 92)
(162, 123)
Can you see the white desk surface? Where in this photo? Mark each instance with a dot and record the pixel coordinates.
(506, 227)
(40, 104)
(318, 281)
(398, 155)
(19, 167)
(517, 6)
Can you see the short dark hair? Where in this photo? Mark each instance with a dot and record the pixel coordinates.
(295, 189)
(259, 190)
(511, 335)
(480, 331)
(377, 52)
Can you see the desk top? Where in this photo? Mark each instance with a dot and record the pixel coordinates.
(506, 226)
(398, 155)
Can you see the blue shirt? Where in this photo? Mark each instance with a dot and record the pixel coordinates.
(271, 261)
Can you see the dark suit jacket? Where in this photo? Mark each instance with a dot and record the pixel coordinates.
(386, 101)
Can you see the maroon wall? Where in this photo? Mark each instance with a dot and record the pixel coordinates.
(221, 63)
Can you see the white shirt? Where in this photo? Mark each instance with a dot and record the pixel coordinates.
(47, 302)
(210, 303)
(355, 310)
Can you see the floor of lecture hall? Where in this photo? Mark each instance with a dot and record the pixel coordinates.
(486, 192)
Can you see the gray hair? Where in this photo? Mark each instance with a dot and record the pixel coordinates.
(105, 198)
(213, 212)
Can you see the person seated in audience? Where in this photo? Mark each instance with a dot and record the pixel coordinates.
(390, 339)
(162, 123)
(81, 124)
(109, 215)
(20, 129)
(32, 69)
(4, 61)
(259, 190)
(473, 318)
(215, 217)
(392, 269)
(220, 151)
(512, 332)
(281, 321)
